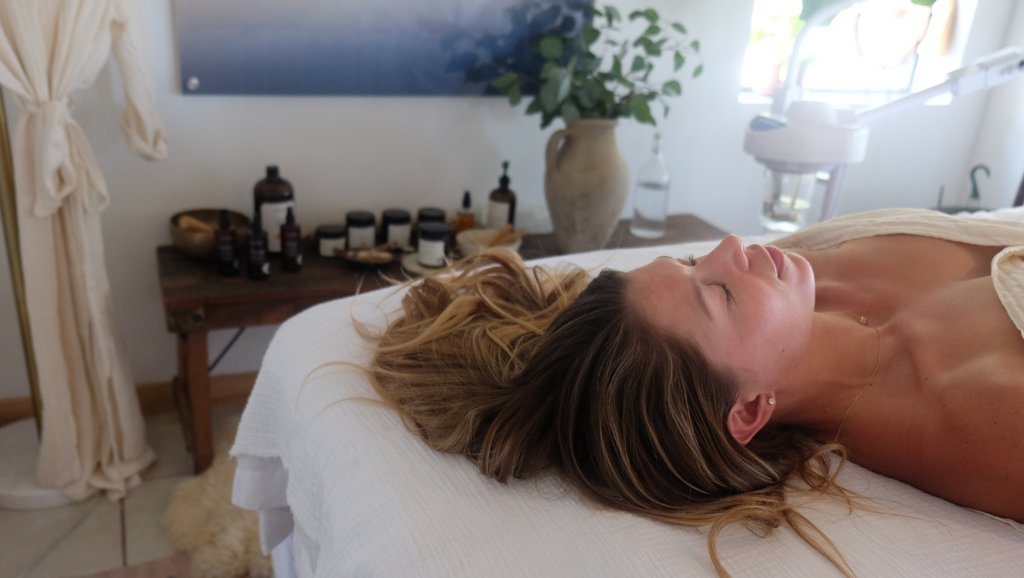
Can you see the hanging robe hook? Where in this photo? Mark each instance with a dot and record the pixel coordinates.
(974, 181)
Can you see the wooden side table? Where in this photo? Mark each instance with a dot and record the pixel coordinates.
(197, 301)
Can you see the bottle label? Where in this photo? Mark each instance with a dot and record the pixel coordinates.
(497, 214)
(328, 246)
(431, 253)
(399, 235)
(227, 252)
(274, 215)
(361, 237)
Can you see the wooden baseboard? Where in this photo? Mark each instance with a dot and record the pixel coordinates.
(155, 398)
(15, 408)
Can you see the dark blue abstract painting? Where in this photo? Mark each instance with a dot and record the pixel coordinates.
(362, 47)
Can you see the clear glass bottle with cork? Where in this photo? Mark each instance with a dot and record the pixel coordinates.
(273, 196)
(501, 206)
(650, 199)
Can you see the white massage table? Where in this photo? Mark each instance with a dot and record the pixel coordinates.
(344, 489)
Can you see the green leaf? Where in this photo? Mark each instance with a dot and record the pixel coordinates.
(564, 84)
(590, 35)
(503, 82)
(617, 67)
(549, 97)
(551, 47)
(698, 70)
(651, 48)
(586, 101)
(679, 27)
(591, 64)
(650, 67)
(672, 88)
(595, 11)
(812, 6)
(545, 71)
(651, 15)
(652, 30)
(515, 94)
(534, 106)
(927, 3)
(570, 113)
(680, 60)
(640, 109)
(695, 45)
(638, 64)
(666, 109)
(612, 14)
(635, 14)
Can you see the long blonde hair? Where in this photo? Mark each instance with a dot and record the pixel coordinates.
(521, 369)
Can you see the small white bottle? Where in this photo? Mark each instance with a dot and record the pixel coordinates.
(650, 199)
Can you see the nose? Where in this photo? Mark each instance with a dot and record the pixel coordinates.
(730, 253)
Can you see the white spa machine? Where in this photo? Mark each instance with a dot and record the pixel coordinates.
(796, 140)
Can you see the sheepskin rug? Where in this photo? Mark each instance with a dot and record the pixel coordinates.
(222, 540)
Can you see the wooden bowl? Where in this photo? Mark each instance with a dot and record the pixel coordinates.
(201, 244)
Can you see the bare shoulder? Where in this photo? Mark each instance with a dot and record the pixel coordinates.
(974, 455)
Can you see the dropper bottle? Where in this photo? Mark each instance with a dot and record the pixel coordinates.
(465, 218)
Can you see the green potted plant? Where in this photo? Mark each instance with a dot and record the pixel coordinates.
(590, 78)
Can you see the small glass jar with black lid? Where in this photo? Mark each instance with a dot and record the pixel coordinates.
(396, 228)
(362, 230)
(433, 243)
(329, 238)
(427, 215)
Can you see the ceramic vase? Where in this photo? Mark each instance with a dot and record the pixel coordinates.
(586, 184)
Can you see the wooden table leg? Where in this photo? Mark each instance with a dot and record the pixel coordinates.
(179, 387)
(194, 387)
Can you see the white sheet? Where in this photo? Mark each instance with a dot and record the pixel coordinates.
(368, 498)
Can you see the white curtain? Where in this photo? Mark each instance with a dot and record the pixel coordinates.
(93, 434)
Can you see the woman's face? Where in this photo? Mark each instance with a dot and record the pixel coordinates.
(748, 308)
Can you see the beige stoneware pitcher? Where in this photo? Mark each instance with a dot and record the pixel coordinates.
(586, 184)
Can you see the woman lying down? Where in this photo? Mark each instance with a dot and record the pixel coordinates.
(696, 391)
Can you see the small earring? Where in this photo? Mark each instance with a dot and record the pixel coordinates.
(771, 401)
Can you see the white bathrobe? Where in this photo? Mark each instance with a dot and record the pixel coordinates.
(92, 429)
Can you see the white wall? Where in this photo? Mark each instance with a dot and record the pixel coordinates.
(373, 153)
(1000, 143)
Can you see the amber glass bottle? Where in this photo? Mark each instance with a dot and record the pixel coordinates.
(291, 243)
(501, 207)
(259, 266)
(227, 252)
(465, 219)
(273, 196)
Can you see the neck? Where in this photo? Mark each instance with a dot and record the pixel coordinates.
(842, 356)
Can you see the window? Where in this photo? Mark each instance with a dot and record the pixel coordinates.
(869, 54)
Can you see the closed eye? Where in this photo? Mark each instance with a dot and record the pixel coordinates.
(728, 295)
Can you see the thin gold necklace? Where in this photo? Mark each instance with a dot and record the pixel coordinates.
(878, 361)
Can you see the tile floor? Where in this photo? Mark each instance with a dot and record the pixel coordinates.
(85, 538)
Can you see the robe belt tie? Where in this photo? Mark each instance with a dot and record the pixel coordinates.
(64, 162)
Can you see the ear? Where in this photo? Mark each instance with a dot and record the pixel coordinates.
(748, 416)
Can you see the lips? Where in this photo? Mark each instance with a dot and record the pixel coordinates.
(778, 258)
